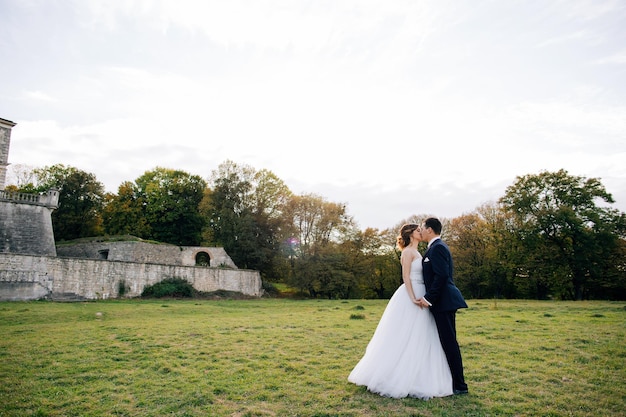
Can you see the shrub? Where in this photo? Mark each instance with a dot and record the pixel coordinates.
(169, 287)
(270, 289)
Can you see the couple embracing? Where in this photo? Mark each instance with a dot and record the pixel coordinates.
(414, 351)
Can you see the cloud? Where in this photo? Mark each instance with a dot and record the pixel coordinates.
(585, 36)
(38, 96)
(325, 29)
(370, 100)
(607, 122)
(618, 58)
(587, 10)
(380, 208)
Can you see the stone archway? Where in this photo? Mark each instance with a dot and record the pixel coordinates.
(203, 259)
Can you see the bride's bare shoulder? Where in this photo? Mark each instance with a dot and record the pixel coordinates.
(410, 254)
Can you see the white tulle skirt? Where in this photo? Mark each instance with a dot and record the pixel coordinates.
(404, 358)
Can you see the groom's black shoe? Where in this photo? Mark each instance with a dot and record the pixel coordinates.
(460, 391)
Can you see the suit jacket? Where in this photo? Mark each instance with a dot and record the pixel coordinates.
(440, 289)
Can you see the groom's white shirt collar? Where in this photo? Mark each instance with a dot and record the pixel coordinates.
(430, 242)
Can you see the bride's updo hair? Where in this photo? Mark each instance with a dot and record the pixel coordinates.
(405, 235)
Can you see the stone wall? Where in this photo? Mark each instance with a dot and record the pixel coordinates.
(144, 252)
(25, 277)
(25, 226)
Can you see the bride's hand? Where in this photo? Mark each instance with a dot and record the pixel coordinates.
(421, 303)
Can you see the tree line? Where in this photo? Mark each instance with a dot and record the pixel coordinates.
(551, 235)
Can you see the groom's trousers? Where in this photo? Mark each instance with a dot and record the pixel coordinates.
(446, 325)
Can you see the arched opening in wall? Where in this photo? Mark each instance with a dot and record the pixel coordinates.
(203, 259)
(103, 254)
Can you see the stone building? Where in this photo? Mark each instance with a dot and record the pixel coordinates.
(5, 141)
(25, 219)
(32, 267)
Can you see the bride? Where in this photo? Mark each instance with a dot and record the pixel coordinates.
(404, 358)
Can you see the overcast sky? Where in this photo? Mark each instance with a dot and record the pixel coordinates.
(392, 107)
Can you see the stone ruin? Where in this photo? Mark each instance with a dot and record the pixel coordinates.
(32, 267)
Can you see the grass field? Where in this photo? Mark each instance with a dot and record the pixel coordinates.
(278, 357)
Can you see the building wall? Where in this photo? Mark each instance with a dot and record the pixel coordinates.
(26, 277)
(25, 228)
(5, 141)
(137, 251)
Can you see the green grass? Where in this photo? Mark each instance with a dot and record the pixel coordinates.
(282, 357)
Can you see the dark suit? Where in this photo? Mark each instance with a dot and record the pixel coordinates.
(445, 299)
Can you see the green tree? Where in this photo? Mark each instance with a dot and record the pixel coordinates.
(244, 212)
(269, 198)
(500, 251)
(123, 213)
(376, 263)
(80, 200)
(467, 238)
(316, 226)
(170, 200)
(567, 242)
(226, 213)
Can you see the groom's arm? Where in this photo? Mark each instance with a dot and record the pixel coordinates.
(439, 260)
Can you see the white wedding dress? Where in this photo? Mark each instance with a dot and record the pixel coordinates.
(405, 357)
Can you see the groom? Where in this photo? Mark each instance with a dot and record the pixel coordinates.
(443, 298)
